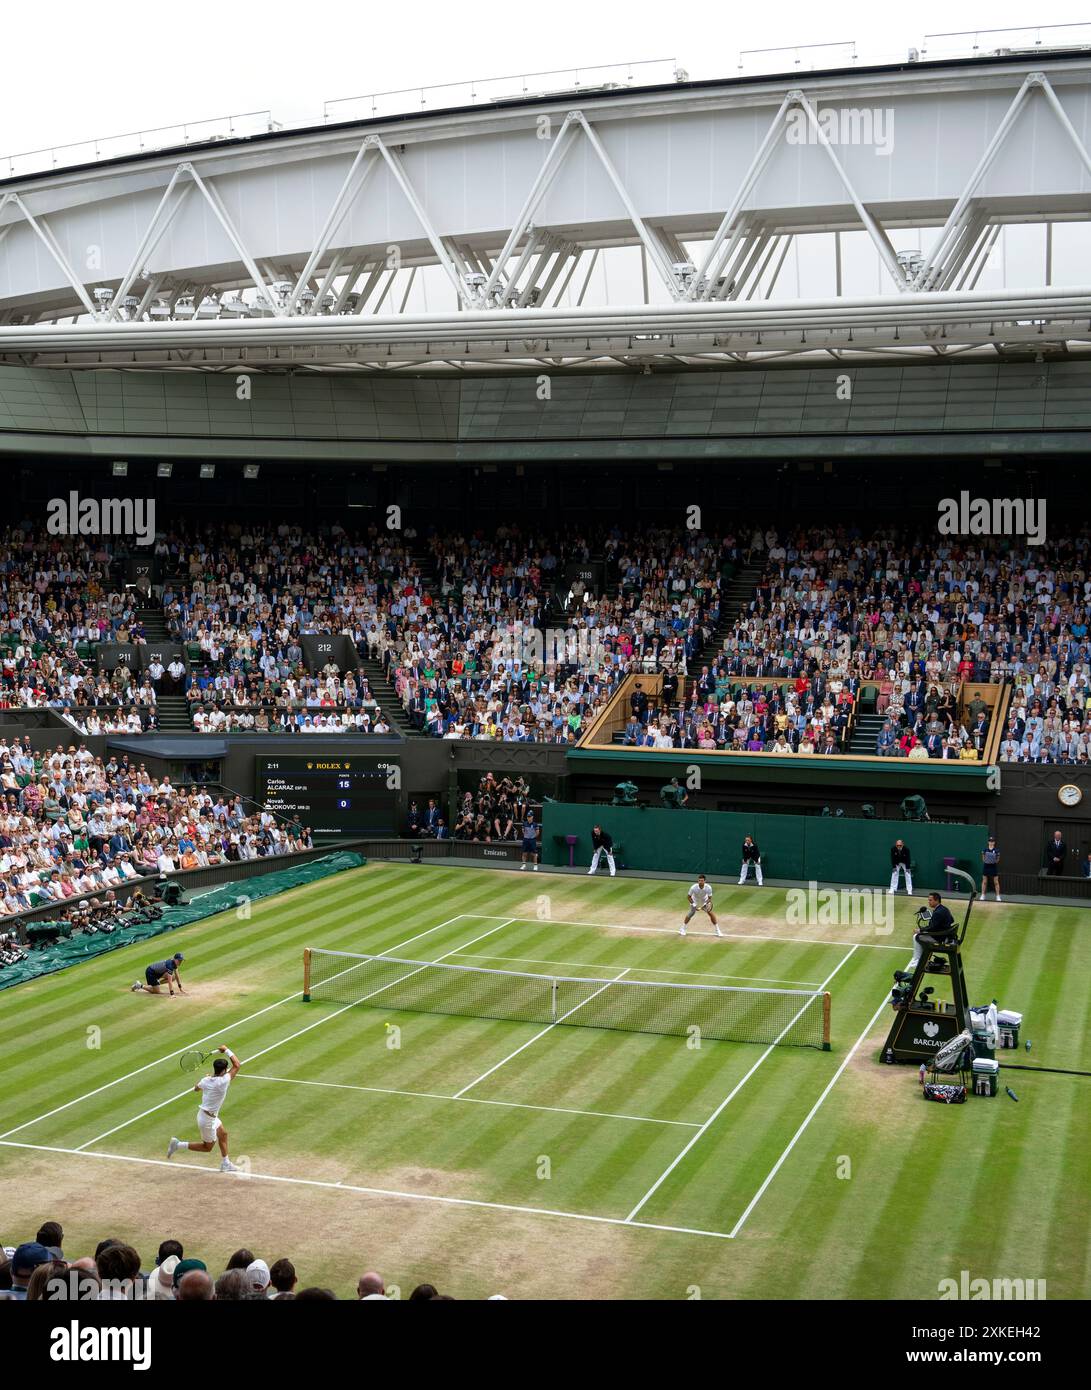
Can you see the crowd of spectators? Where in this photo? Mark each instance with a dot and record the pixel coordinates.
(892, 603)
(506, 651)
(293, 703)
(59, 596)
(247, 598)
(1049, 720)
(73, 826)
(911, 617)
(502, 637)
(711, 711)
(39, 1270)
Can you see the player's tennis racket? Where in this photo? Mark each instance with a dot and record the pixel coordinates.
(194, 1059)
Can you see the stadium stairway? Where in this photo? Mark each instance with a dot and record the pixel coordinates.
(153, 623)
(174, 715)
(383, 690)
(735, 599)
(865, 732)
(429, 575)
(172, 710)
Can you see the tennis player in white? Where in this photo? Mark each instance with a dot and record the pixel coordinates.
(700, 900)
(213, 1089)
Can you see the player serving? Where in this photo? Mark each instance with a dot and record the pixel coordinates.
(213, 1089)
(700, 900)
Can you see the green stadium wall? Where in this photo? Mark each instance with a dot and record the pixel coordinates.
(792, 847)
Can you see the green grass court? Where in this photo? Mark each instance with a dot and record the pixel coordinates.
(496, 1156)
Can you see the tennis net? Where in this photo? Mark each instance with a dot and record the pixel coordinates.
(790, 1017)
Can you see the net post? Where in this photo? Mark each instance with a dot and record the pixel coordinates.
(553, 1001)
(306, 974)
(826, 1021)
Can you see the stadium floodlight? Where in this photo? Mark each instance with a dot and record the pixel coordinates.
(103, 296)
(251, 471)
(307, 297)
(131, 303)
(164, 470)
(209, 308)
(234, 307)
(184, 308)
(282, 289)
(119, 468)
(208, 471)
(159, 310)
(328, 302)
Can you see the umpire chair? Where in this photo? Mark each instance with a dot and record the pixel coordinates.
(921, 1027)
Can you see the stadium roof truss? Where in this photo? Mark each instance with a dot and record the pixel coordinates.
(646, 225)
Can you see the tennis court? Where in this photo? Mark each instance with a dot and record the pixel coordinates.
(603, 1123)
(454, 1133)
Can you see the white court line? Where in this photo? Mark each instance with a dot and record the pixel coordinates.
(731, 1096)
(298, 1034)
(814, 1111)
(218, 1032)
(470, 1100)
(366, 1191)
(547, 1029)
(672, 931)
(643, 969)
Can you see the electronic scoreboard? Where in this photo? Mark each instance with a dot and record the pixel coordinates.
(353, 795)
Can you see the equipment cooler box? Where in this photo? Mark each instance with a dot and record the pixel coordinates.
(986, 1076)
(1010, 1023)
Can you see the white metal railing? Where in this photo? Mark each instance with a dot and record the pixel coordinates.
(137, 142)
(978, 42)
(807, 57)
(482, 90)
(967, 43)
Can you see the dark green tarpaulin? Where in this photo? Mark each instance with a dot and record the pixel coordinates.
(206, 904)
